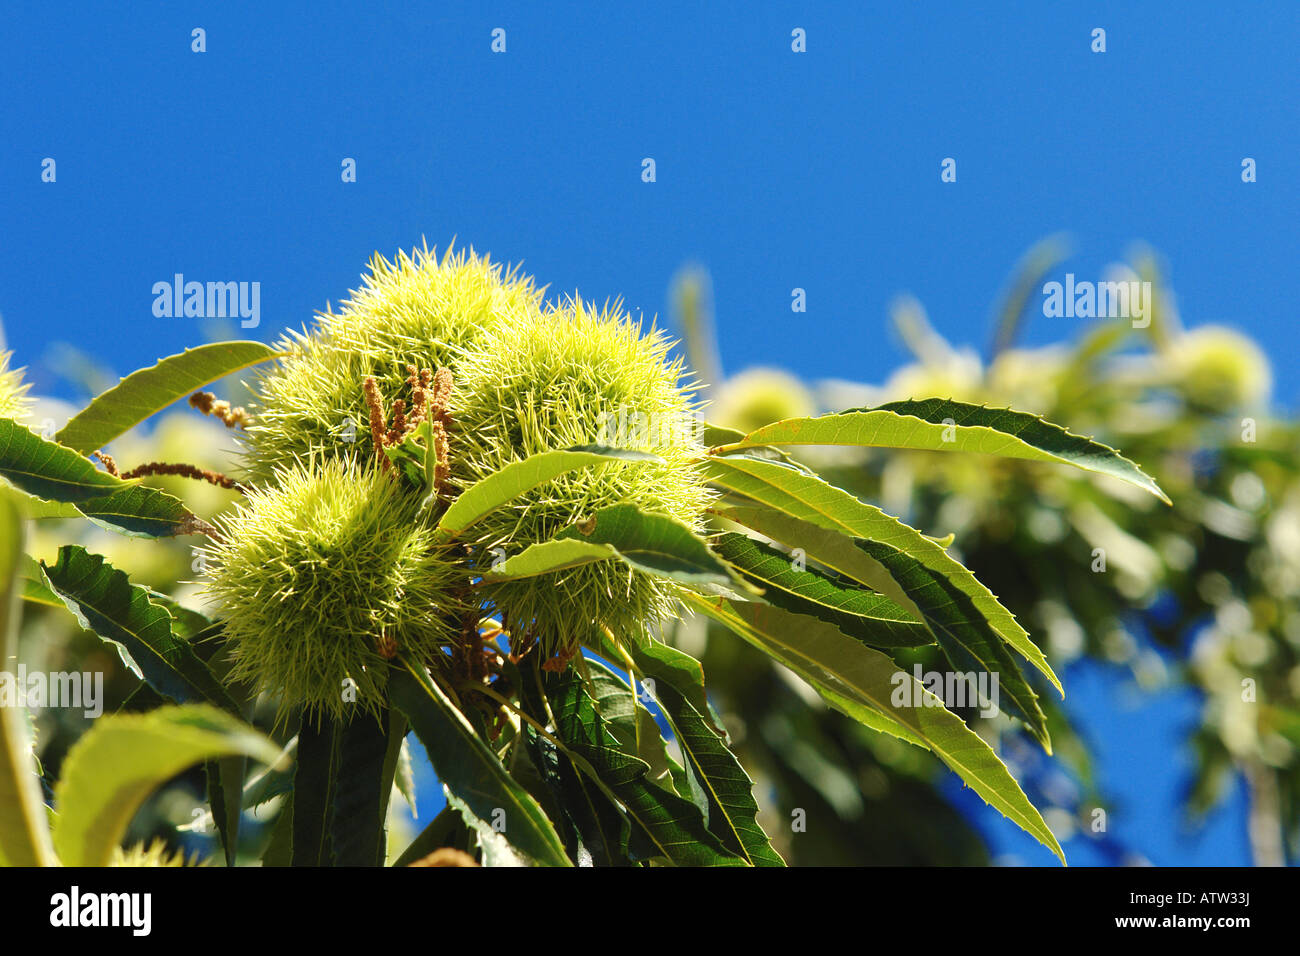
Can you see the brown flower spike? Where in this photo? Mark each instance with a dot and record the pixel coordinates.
(209, 404)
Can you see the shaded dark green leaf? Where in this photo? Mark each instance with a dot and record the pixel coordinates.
(729, 792)
(857, 611)
(673, 823)
(106, 602)
(471, 772)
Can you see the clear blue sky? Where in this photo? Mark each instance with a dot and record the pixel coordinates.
(774, 169)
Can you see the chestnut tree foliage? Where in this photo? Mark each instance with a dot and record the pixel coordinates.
(470, 515)
(1204, 594)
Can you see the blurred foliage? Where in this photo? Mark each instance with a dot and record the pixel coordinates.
(52, 640)
(1205, 593)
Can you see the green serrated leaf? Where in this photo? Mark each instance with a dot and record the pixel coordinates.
(857, 611)
(823, 508)
(729, 792)
(51, 471)
(673, 823)
(547, 556)
(865, 685)
(316, 774)
(631, 724)
(225, 784)
(141, 512)
(664, 662)
(941, 424)
(106, 602)
(470, 770)
(655, 544)
(357, 816)
(149, 390)
(279, 846)
(595, 829)
(920, 593)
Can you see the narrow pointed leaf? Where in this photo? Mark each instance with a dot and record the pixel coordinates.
(940, 424)
(655, 544)
(664, 662)
(50, 470)
(548, 556)
(733, 812)
(968, 641)
(58, 474)
(225, 785)
(631, 724)
(141, 512)
(470, 770)
(279, 846)
(594, 825)
(674, 824)
(316, 775)
(105, 601)
(857, 611)
(357, 816)
(797, 494)
(149, 390)
(595, 829)
(921, 594)
(485, 496)
(860, 681)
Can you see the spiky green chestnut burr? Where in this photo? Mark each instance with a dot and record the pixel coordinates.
(418, 310)
(14, 402)
(321, 577)
(758, 397)
(576, 375)
(153, 854)
(1219, 368)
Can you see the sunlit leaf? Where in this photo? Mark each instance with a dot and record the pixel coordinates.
(674, 824)
(857, 611)
(822, 508)
(715, 770)
(24, 832)
(123, 758)
(655, 544)
(149, 390)
(941, 424)
(485, 496)
(862, 682)
(50, 471)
